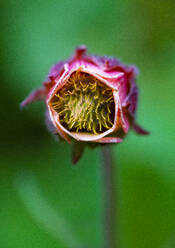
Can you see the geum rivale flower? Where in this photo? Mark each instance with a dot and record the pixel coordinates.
(90, 99)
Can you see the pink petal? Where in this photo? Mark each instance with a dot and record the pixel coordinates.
(109, 140)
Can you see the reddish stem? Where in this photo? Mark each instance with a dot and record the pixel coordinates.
(109, 198)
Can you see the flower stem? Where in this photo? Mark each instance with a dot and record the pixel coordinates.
(109, 198)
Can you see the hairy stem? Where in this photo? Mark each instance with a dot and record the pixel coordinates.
(109, 198)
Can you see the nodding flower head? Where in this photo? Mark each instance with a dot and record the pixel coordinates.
(90, 98)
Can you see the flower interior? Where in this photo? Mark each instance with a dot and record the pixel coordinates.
(84, 104)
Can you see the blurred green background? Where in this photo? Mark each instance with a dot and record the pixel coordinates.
(44, 201)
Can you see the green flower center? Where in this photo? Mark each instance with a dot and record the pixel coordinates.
(84, 104)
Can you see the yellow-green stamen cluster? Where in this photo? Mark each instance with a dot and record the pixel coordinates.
(84, 104)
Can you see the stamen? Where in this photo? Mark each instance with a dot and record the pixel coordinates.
(84, 104)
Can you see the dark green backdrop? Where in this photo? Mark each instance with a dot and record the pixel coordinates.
(44, 201)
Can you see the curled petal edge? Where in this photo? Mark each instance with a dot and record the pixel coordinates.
(109, 140)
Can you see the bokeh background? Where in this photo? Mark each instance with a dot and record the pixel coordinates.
(44, 201)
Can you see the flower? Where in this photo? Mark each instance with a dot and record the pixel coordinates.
(90, 99)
